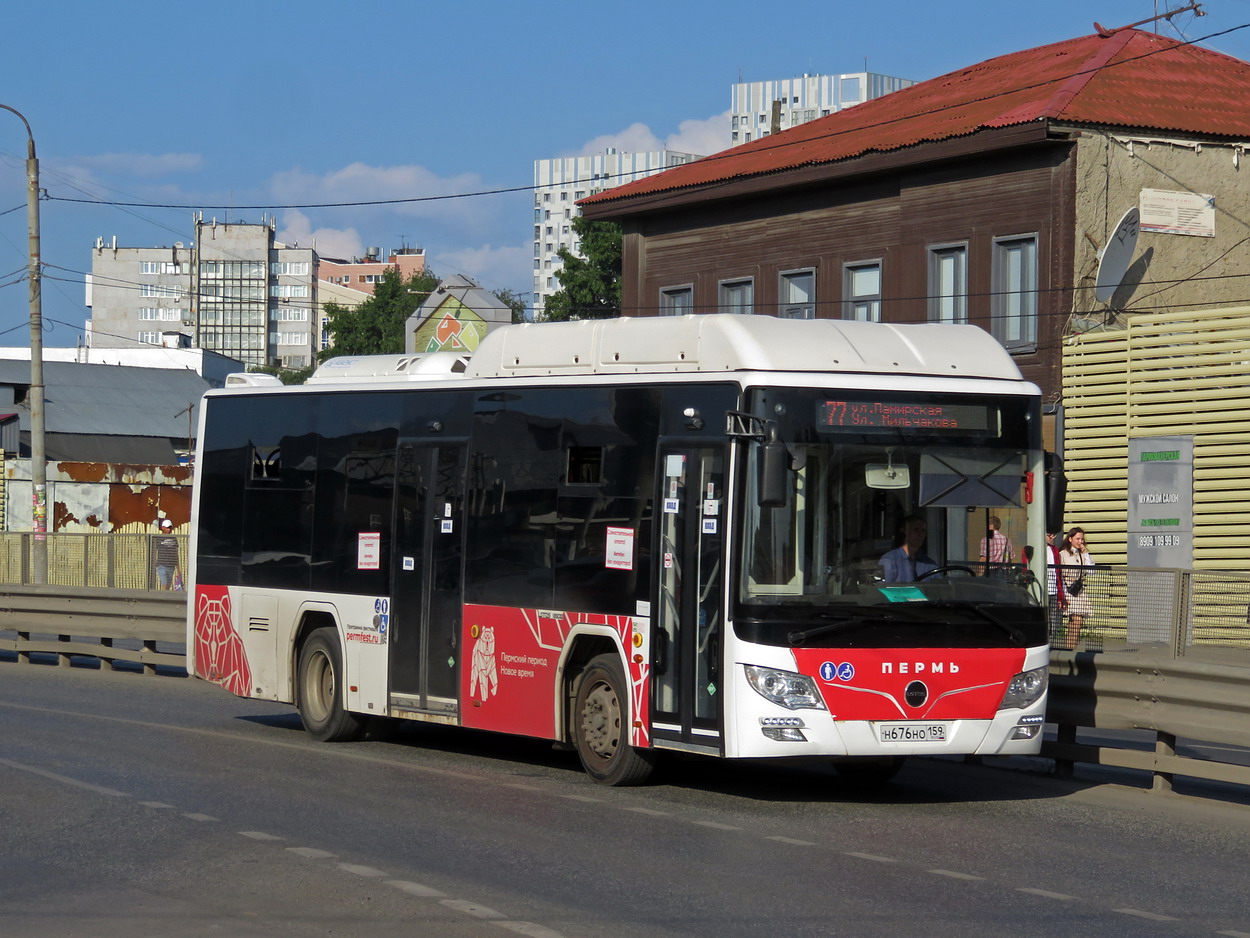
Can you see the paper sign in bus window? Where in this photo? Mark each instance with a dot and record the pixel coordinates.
(620, 549)
(369, 551)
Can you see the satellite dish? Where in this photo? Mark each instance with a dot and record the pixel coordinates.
(1117, 255)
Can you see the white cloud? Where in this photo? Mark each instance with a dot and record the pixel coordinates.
(493, 267)
(359, 182)
(297, 229)
(146, 165)
(703, 137)
(636, 138)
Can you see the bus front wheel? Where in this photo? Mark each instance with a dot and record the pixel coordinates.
(319, 696)
(600, 727)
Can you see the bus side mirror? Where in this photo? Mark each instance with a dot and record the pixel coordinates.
(1056, 492)
(774, 481)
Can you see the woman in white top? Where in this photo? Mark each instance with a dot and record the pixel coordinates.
(1072, 554)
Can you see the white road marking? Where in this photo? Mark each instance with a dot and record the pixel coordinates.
(471, 908)
(1153, 916)
(521, 786)
(260, 835)
(647, 811)
(369, 872)
(791, 840)
(1234, 934)
(581, 798)
(64, 779)
(715, 826)
(1047, 894)
(200, 817)
(312, 853)
(530, 929)
(954, 875)
(870, 856)
(155, 804)
(415, 889)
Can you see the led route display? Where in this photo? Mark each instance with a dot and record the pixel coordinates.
(893, 415)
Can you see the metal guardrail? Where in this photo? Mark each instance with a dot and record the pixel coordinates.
(112, 625)
(1166, 651)
(1201, 697)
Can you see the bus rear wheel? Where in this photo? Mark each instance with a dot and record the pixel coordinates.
(319, 695)
(600, 727)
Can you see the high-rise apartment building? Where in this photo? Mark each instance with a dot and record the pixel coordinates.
(236, 291)
(758, 108)
(139, 296)
(559, 183)
(253, 297)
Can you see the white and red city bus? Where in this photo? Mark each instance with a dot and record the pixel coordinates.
(638, 535)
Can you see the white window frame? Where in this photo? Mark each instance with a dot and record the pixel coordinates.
(162, 290)
(948, 282)
(858, 304)
(789, 307)
(737, 296)
(1014, 290)
(150, 338)
(677, 300)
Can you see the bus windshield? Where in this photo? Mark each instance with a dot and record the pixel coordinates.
(909, 519)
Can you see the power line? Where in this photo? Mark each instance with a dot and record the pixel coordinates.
(716, 157)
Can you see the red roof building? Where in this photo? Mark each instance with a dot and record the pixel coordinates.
(986, 195)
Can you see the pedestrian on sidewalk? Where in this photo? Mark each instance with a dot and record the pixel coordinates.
(1075, 558)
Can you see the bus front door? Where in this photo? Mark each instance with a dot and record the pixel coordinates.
(687, 684)
(426, 579)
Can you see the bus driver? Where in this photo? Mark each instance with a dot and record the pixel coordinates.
(908, 562)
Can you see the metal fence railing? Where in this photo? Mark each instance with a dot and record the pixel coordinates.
(1133, 607)
(111, 561)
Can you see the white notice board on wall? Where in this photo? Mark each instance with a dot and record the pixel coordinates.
(1164, 211)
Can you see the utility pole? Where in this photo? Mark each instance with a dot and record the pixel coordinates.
(38, 460)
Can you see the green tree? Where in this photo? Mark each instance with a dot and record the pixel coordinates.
(376, 326)
(591, 284)
(513, 301)
(286, 375)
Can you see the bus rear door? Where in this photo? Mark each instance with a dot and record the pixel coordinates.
(426, 579)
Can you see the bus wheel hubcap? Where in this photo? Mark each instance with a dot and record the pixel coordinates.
(601, 721)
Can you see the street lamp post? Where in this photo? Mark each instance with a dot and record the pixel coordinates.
(38, 462)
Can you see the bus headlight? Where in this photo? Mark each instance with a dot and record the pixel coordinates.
(1025, 689)
(790, 690)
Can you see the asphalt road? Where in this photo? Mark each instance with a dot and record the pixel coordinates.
(135, 806)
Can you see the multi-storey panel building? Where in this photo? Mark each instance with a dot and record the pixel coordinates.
(559, 183)
(255, 297)
(236, 291)
(139, 296)
(758, 108)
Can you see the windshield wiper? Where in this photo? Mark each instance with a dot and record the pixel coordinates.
(1014, 633)
(848, 624)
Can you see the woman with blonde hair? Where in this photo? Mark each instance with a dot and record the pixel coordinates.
(1074, 557)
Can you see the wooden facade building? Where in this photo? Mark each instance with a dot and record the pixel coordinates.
(983, 196)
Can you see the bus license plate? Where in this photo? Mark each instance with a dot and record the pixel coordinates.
(911, 732)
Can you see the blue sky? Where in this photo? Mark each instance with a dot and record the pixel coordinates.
(270, 103)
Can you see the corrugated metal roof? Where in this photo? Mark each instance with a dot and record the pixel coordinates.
(110, 399)
(1130, 79)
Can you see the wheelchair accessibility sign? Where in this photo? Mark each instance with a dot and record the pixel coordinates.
(837, 672)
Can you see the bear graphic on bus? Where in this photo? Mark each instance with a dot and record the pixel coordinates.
(483, 668)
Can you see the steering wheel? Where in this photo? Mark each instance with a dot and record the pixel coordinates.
(946, 568)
